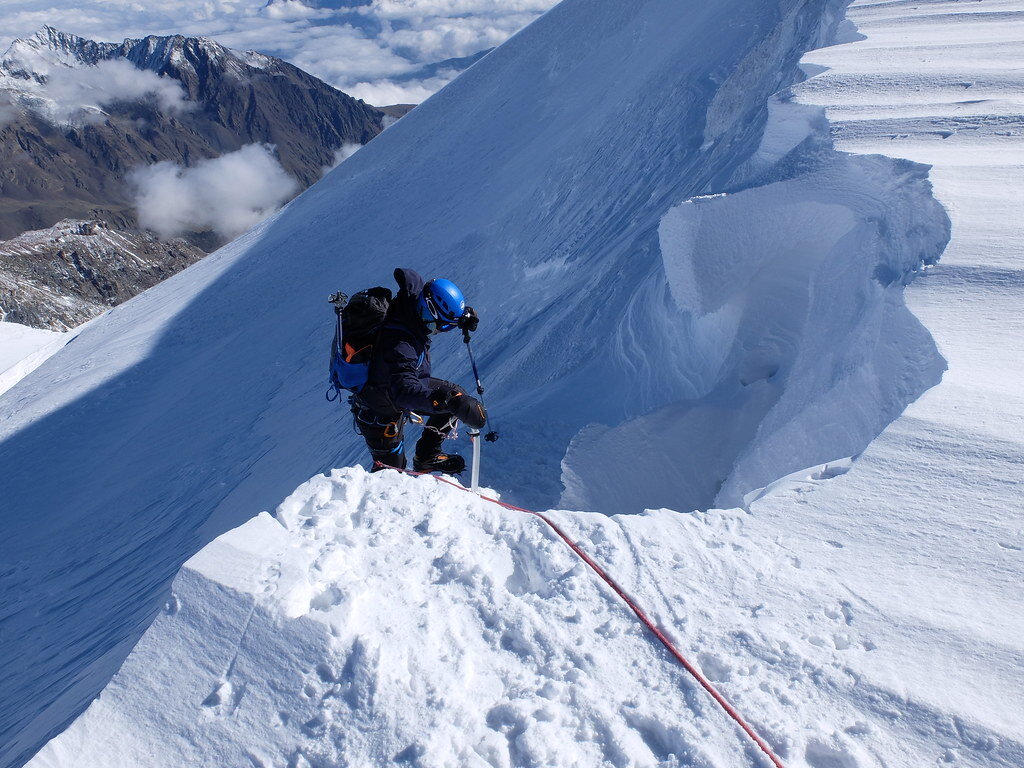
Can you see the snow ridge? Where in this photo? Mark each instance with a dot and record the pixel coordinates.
(539, 181)
(381, 619)
(478, 639)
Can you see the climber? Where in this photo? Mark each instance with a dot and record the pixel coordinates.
(399, 386)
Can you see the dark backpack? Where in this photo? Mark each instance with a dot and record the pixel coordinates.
(359, 322)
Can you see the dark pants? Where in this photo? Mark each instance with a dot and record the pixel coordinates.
(383, 429)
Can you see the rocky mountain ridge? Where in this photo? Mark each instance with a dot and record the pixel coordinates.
(69, 139)
(59, 277)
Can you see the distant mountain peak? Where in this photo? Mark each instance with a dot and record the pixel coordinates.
(122, 106)
(35, 56)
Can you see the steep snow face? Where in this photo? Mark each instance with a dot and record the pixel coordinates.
(540, 181)
(383, 619)
(792, 294)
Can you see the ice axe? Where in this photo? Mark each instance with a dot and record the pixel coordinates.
(465, 323)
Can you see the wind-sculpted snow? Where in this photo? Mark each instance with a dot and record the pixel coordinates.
(539, 181)
(793, 300)
(390, 620)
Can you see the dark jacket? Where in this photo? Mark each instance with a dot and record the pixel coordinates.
(399, 376)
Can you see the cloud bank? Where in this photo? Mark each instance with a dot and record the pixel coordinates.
(341, 155)
(363, 47)
(228, 194)
(77, 90)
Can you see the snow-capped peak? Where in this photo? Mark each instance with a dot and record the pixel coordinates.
(37, 56)
(66, 78)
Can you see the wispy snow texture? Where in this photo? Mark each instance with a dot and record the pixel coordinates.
(228, 194)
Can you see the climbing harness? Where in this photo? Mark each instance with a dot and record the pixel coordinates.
(695, 673)
(448, 431)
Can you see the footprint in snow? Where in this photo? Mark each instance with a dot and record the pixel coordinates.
(330, 597)
(716, 669)
(173, 605)
(820, 754)
(843, 612)
(224, 699)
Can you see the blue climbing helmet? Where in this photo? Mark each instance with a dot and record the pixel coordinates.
(441, 304)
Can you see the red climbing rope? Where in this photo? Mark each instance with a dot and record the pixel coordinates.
(644, 618)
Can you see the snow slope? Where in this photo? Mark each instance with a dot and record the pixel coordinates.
(23, 349)
(384, 619)
(557, 181)
(936, 502)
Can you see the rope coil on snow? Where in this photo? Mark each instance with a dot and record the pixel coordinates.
(640, 614)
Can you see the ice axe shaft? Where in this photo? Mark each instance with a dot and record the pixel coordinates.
(474, 434)
(472, 361)
(474, 473)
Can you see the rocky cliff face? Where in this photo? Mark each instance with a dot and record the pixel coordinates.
(54, 169)
(62, 161)
(61, 276)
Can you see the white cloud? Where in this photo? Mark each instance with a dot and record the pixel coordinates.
(8, 112)
(384, 92)
(228, 194)
(340, 156)
(288, 10)
(357, 48)
(74, 90)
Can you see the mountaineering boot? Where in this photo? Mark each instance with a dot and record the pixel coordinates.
(448, 463)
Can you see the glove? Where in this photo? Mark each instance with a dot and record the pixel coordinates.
(469, 320)
(451, 398)
(468, 410)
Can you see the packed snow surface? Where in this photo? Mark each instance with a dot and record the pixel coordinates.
(23, 349)
(936, 502)
(385, 619)
(686, 294)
